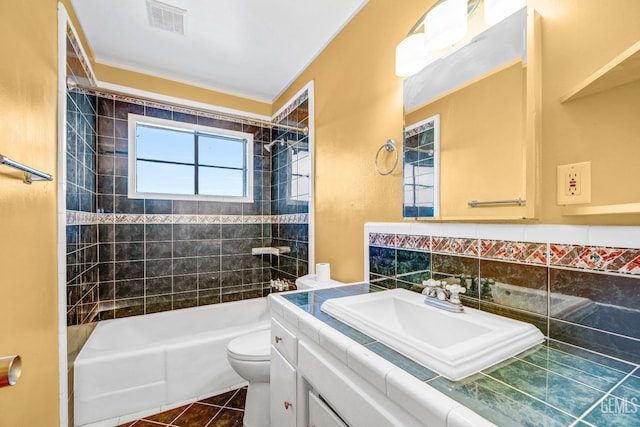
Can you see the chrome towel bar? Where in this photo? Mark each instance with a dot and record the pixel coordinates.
(30, 174)
(518, 201)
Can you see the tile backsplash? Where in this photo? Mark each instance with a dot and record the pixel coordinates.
(581, 287)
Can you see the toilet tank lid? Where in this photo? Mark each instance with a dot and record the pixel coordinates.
(251, 346)
(309, 281)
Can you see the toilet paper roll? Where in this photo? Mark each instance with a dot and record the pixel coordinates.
(323, 272)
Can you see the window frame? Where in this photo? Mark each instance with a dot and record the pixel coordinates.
(291, 200)
(135, 119)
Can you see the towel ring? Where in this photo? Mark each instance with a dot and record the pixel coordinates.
(388, 146)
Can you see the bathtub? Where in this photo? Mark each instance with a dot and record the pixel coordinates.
(142, 365)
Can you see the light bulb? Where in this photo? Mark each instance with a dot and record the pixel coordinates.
(445, 24)
(411, 55)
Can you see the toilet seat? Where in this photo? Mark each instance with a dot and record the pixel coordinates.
(252, 347)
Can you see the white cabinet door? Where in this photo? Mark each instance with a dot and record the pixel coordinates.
(283, 391)
(284, 341)
(320, 415)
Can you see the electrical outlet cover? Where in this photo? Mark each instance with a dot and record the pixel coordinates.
(574, 183)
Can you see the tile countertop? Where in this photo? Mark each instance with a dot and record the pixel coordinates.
(551, 384)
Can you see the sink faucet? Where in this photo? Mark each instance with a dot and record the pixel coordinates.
(442, 295)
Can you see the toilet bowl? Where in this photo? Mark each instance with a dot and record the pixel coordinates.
(249, 356)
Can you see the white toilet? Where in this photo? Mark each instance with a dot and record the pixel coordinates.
(249, 356)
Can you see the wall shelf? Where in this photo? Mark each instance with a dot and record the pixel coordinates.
(623, 69)
(624, 208)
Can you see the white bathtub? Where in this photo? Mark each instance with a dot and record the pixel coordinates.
(141, 365)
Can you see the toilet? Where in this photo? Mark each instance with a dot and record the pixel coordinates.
(249, 356)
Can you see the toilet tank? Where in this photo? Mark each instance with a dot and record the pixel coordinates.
(309, 282)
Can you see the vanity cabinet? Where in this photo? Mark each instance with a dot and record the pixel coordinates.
(489, 124)
(324, 379)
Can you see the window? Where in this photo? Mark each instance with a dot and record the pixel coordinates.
(174, 160)
(298, 191)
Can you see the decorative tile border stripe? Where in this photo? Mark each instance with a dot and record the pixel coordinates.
(414, 242)
(81, 218)
(616, 260)
(419, 129)
(290, 219)
(89, 218)
(291, 107)
(201, 113)
(448, 245)
(531, 253)
(84, 62)
(589, 258)
(178, 109)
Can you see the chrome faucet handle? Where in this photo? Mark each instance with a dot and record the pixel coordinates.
(455, 290)
(430, 287)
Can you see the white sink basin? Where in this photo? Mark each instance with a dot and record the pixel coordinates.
(455, 345)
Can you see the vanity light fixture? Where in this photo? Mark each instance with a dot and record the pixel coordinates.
(411, 55)
(445, 24)
(442, 26)
(496, 10)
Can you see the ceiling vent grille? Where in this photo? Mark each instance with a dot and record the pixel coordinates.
(166, 17)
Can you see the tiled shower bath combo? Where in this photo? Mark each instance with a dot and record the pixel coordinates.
(137, 256)
(128, 257)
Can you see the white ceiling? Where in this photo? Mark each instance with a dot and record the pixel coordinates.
(249, 48)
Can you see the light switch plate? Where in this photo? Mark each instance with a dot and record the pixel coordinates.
(574, 183)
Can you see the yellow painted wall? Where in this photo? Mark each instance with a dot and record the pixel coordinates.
(358, 106)
(28, 283)
(162, 86)
(579, 37)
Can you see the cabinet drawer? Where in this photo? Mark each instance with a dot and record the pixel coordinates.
(283, 404)
(284, 341)
(320, 415)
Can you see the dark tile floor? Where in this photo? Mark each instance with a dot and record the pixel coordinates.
(223, 410)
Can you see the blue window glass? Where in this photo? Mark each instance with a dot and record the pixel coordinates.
(188, 161)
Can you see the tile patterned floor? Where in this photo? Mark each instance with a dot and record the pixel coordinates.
(223, 410)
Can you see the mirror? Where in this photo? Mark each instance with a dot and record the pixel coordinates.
(421, 163)
(490, 68)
